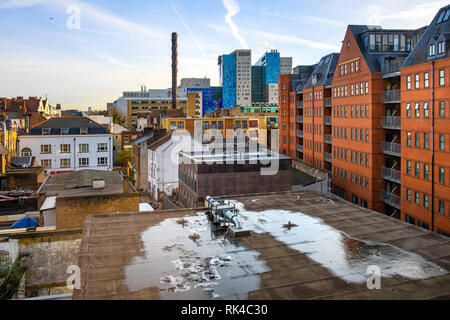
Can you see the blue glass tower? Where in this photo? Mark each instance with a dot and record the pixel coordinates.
(208, 104)
(270, 62)
(228, 72)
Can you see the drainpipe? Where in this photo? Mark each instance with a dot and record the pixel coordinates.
(432, 146)
(74, 154)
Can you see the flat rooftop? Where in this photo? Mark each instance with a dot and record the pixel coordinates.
(80, 183)
(240, 155)
(303, 245)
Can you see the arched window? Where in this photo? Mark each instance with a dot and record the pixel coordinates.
(26, 152)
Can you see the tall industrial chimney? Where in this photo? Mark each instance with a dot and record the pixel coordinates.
(174, 69)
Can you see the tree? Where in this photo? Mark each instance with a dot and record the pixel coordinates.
(10, 276)
(123, 157)
(117, 116)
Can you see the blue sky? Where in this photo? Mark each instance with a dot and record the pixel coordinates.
(123, 44)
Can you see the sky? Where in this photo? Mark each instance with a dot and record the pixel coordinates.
(86, 53)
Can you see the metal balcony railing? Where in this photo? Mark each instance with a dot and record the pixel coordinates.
(392, 96)
(327, 102)
(299, 148)
(299, 119)
(393, 149)
(327, 138)
(300, 133)
(391, 174)
(299, 105)
(391, 199)
(327, 156)
(391, 122)
(390, 68)
(327, 120)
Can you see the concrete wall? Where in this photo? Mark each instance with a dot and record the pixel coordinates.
(25, 181)
(71, 211)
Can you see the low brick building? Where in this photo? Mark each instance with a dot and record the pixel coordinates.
(241, 172)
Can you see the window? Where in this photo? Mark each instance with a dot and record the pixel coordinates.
(367, 135)
(408, 167)
(64, 163)
(83, 130)
(356, 65)
(410, 220)
(244, 124)
(441, 207)
(102, 161)
(416, 198)
(102, 147)
(180, 125)
(83, 162)
(46, 131)
(367, 111)
(408, 110)
(426, 80)
(441, 109)
(84, 147)
(417, 81)
(425, 140)
(65, 131)
(26, 152)
(417, 110)
(46, 148)
(367, 87)
(425, 110)
(220, 123)
(65, 148)
(425, 171)
(441, 175)
(408, 194)
(431, 50)
(367, 160)
(126, 138)
(46, 163)
(417, 140)
(441, 142)
(408, 139)
(417, 169)
(441, 47)
(441, 78)
(408, 82)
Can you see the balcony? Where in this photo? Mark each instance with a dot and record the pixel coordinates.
(327, 157)
(327, 138)
(299, 105)
(327, 120)
(392, 96)
(327, 102)
(391, 199)
(300, 133)
(391, 123)
(393, 149)
(299, 148)
(391, 175)
(299, 119)
(389, 70)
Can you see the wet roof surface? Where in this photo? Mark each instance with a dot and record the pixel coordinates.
(325, 256)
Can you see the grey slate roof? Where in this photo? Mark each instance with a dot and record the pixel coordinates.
(434, 33)
(22, 162)
(324, 71)
(68, 122)
(143, 138)
(374, 59)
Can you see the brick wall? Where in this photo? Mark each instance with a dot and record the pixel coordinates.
(71, 211)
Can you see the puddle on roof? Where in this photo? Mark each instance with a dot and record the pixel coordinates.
(344, 256)
(185, 259)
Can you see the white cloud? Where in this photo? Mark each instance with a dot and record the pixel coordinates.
(424, 10)
(266, 45)
(233, 9)
(295, 40)
(14, 4)
(307, 19)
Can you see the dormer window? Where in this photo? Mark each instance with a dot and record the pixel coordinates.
(447, 15)
(441, 17)
(45, 131)
(83, 130)
(65, 131)
(432, 50)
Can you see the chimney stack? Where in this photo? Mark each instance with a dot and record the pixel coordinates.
(174, 69)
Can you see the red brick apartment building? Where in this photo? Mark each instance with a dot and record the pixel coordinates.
(425, 129)
(290, 111)
(383, 132)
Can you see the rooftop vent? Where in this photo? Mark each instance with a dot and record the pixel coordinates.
(98, 183)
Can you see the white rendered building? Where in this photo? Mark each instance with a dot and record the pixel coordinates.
(69, 144)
